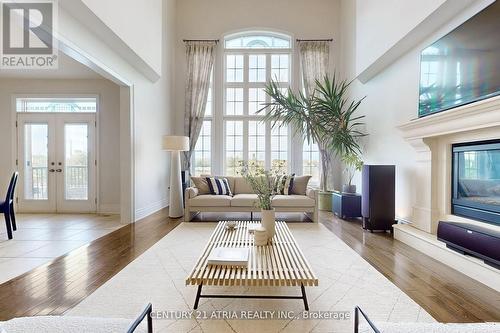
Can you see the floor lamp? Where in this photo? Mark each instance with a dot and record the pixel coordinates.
(175, 144)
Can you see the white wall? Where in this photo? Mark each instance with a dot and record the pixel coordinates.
(109, 130)
(152, 104)
(391, 98)
(137, 23)
(381, 23)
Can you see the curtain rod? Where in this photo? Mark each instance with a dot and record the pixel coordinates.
(315, 40)
(200, 40)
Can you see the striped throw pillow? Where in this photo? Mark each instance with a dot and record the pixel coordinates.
(218, 186)
(284, 184)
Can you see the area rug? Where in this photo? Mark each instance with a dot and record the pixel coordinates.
(158, 276)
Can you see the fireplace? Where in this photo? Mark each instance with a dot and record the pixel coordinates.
(476, 181)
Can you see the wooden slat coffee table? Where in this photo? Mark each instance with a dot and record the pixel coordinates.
(281, 263)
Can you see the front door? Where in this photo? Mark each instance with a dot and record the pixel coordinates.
(57, 162)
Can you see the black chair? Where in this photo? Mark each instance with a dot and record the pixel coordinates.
(357, 311)
(7, 206)
(147, 313)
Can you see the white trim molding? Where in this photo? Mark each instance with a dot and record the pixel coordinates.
(151, 208)
(482, 114)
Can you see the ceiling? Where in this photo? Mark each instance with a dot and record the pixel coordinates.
(68, 69)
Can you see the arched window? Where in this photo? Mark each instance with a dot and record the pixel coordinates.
(257, 40)
(250, 60)
(232, 130)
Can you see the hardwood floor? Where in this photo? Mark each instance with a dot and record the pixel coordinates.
(446, 294)
(61, 284)
(40, 238)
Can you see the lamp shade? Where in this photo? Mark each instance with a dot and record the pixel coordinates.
(175, 143)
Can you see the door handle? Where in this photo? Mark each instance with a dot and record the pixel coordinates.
(58, 170)
(52, 170)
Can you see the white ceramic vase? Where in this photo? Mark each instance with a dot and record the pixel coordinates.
(268, 222)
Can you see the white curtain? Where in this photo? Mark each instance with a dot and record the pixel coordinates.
(200, 61)
(314, 59)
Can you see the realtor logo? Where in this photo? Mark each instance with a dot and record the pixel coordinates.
(27, 34)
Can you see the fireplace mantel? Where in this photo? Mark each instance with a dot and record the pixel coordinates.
(478, 115)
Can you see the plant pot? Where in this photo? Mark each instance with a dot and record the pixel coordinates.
(325, 200)
(351, 189)
(268, 221)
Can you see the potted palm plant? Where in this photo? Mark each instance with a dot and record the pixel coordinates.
(325, 117)
(352, 164)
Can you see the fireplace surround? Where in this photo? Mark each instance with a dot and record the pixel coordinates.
(434, 138)
(476, 181)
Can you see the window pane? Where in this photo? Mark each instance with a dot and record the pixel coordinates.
(43, 104)
(234, 146)
(202, 154)
(280, 67)
(76, 163)
(234, 68)
(209, 105)
(234, 101)
(257, 68)
(310, 163)
(256, 143)
(279, 146)
(36, 139)
(256, 97)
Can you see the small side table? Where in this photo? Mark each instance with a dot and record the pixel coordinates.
(346, 204)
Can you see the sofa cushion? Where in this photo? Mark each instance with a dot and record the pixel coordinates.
(58, 324)
(292, 200)
(433, 327)
(284, 184)
(219, 186)
(241, 186)
(299, 185)
(244, 200)
(210, 200)
(201, 184)
(230, 180)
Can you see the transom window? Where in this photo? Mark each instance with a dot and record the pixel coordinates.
(48, 104)
(249, 62)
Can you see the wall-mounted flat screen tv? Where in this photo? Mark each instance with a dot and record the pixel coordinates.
(463, 66)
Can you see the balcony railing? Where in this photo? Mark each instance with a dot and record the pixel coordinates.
(37, 186)
(76, 183)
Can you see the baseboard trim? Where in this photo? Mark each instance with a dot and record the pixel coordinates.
(152, 208)
(428, 244)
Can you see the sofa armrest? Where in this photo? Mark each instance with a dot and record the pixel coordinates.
(191, 192)
(312, 193)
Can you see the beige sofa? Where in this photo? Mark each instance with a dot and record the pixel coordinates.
(245, 200)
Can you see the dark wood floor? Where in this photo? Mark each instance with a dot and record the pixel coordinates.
(447, 295)
(63, 283)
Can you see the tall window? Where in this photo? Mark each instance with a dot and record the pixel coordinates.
(311, 161)
(250, 61)
(201, 159)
